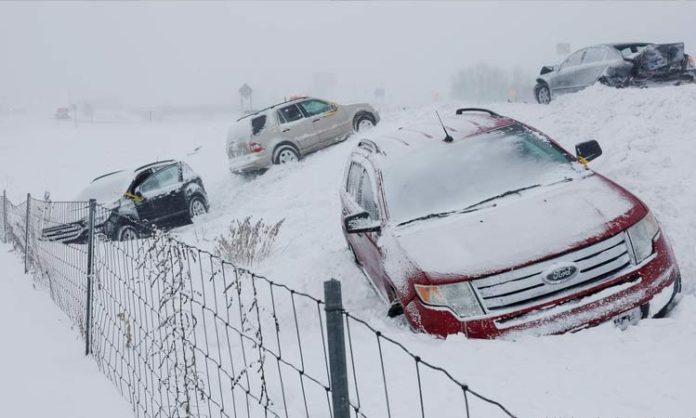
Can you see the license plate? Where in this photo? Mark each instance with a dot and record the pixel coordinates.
(627, 318)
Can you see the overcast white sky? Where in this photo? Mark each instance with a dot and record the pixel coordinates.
(183, 53)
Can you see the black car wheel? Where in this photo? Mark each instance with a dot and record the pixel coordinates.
(286, 153)
(543, 93)
(197, 207)
(363, 121)
(126, 233)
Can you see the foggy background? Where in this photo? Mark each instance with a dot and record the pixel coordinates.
(194, 54)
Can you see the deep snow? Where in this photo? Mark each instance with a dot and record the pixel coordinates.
(43, 369)
(647, 137)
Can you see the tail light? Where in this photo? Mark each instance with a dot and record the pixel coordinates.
(255, 147)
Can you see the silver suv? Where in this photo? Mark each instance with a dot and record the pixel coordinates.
(288, 131)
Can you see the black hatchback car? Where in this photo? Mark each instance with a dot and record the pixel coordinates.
(164, 194)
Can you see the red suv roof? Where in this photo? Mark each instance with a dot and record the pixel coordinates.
(410, 139)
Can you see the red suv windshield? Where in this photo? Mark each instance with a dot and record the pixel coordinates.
(451, 177)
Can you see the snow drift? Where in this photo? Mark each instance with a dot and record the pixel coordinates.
(647, 136)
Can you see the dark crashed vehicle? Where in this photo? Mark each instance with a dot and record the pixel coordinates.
(637, 64)
(164, 194)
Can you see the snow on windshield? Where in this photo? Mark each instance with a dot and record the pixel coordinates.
(446, 177)
(107, 189)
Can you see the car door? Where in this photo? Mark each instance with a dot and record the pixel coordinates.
(593, 65)
(361, 196)
(564, 81)
(162, 196)
(296, 128)
(327, 120)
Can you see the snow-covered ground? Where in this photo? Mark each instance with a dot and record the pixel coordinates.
(43, 369)
(647, 137)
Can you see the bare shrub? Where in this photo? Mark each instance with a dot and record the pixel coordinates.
(246, 242)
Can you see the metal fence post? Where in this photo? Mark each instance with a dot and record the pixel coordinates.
(90, 276)
(337, 348)
(26, 235)
(4, 216)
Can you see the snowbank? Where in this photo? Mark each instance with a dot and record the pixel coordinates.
(44, 370)
(647, 137)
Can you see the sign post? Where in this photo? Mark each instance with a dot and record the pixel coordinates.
(245, 92)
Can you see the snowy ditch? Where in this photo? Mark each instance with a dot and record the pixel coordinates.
(182, 333)
(647, 137)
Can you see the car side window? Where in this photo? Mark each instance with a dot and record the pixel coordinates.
(594, 55)
(613, 54)
(366, 196)
(257, 124)
(353, 182)
(165, 178)
(574, 59)
(290, 113)
(315, 107)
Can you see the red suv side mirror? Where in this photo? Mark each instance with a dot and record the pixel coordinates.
(361, 222)
(588, 151)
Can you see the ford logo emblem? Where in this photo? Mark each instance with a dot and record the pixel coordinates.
(559, 273)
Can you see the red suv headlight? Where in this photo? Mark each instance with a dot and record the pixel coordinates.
(459, 297)
(642, 236)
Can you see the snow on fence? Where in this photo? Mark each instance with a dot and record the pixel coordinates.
(183, 333)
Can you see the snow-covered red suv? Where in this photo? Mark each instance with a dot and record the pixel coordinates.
(487, 227)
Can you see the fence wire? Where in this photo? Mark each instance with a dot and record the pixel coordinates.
(182, 333)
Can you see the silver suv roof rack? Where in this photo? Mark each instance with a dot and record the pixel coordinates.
(256, 112)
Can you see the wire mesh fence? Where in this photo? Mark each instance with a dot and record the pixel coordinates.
(183, 333)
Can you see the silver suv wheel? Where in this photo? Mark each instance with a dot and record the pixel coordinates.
(363, 121)
(286, 154)
(365, 124)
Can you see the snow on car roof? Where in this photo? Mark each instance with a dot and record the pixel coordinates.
(109, 187)
(134, 171)
(409, 139)
(153, 165)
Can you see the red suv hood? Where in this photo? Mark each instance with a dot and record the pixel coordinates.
(541, 223)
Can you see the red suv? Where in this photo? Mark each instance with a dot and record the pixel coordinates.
(486, 226)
